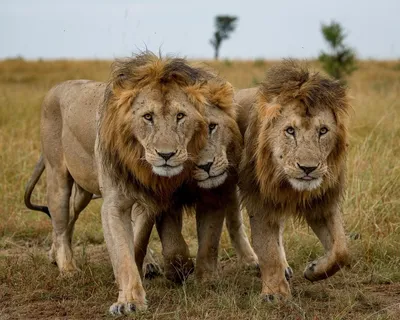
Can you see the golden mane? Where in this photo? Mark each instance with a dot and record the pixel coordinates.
(284, 84)
(221, 95)
(122, 153)
(130, 75)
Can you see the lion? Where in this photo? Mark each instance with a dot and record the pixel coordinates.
(134, 141)
(293, 164)
(212, 195)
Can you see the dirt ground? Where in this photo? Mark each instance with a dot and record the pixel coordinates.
(31, 288)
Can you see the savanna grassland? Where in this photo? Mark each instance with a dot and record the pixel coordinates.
(30, 287)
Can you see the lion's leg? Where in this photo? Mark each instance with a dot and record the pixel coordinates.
(177, 262)
(79, 200)
(329, 229)
(142, 226)
(151, 268)
(118, 233)
(288, 270)
(266, 235)
(209, 221)
(237, 233)
(59, 185)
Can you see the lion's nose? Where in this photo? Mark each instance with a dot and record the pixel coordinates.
(206, 167)
(307, 169)
(166, 156)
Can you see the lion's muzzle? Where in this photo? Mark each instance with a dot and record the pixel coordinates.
(166, 163)
(209, 176)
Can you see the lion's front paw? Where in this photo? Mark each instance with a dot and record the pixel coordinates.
(288, 273)
(323, 268)
(273, 298)
(152, 270)
(314, 272)
(178, 271)
(327, 265)
(275, 290)
(126, 308)
(251, 264)
(250, 260)
(309, 271)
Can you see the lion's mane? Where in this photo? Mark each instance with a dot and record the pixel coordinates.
(286, 83)
(122, 154)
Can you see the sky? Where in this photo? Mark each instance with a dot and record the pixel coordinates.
(90, 29)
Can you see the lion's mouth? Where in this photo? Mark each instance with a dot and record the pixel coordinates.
(306, 178)
(305, 183)
(213, 177)
(168, 166)
(167, 170)
(213, 181)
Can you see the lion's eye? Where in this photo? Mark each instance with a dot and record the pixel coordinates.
(180, 116)
(211, 127)
(290, 130)
(148, 117)
(323, 131)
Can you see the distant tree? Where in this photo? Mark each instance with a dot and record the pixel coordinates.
(341, 60)
(224, 26)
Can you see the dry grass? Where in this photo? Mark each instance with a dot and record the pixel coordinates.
(370, 289)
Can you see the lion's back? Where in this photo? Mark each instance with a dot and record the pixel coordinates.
(68, 128)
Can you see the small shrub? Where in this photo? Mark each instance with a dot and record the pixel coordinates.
(228, 63)
(255, 82)
(259, 62)
(397, 67)
(340, 61)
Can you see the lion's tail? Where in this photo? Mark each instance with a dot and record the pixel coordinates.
(37, 172)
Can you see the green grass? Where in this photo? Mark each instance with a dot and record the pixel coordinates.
(30, 286)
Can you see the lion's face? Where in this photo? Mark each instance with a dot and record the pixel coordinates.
(301, 143)
(212, 164)
(164, 126)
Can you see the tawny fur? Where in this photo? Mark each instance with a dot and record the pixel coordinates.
(89, 148)
(211, 205)
(291, 96)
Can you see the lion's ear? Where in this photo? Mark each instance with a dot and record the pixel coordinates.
(119, 82)
(121, 74)
(221, 94)
(268, 110)
(272, 111)
(123, 89)
(197, 94)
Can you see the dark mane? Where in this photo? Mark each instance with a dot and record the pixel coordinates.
(290, 81)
